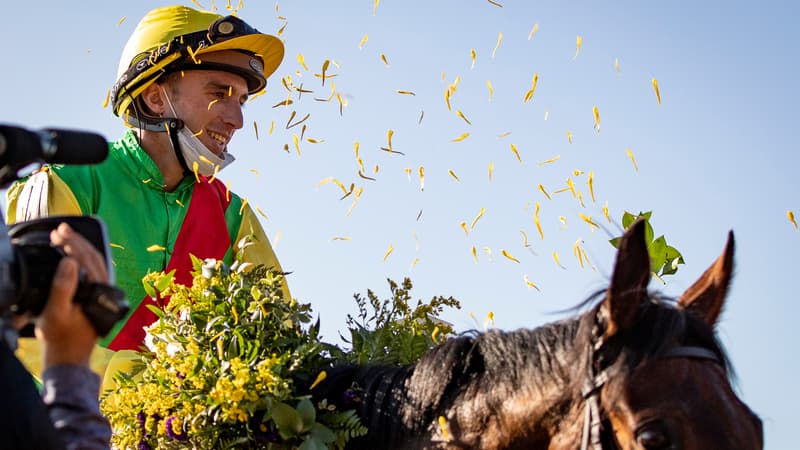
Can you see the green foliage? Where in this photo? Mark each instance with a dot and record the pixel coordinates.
(220, 369)
(391, 332)
(664, 259)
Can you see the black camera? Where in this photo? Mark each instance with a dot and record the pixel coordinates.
(28, 261)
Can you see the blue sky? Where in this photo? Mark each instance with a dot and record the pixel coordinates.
(714, 156)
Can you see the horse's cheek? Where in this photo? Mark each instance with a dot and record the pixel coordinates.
(623, 430)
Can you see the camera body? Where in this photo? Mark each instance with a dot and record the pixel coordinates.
(28, 261)
(32, 263)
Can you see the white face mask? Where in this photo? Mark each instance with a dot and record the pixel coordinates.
(195, 153)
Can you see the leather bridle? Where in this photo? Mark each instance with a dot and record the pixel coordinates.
(598, 375)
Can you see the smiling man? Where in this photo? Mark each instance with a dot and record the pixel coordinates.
(183, 78)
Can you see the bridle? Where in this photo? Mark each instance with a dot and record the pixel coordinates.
(597, 376)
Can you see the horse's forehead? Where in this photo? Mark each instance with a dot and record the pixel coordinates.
(693, 396)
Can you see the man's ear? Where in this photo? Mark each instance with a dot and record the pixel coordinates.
(154, 100)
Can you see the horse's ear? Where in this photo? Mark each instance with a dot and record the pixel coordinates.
(629, 281)
(706, 296)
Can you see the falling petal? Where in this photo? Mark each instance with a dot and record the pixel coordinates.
(488, 252)
(464, 227)
(375, 7)
(383, 58)
(460, 138)
(499, 40)
(555, 258)
(286, 102)
(296, 143)
(322, 375)
(605, 212)
(509, 256)
(408, 172)
(113, 245)
(421, 115)
(475, 220)
(549, 161)
(119, 22)
(502, 135)
(460, 114)
(421, 172)
(546, 115)
(491, 89)
(590, 182)
(447, 94)
(255, 127)
(655, 88)
(435, 333)
(541, 188)
(525, 242)
(453, 174)
(196, 170)
(529, 94)
(475, 254)
(271, 127)
(616, 64)
(155, 248)
(108, 96)
(413, 263)
(536, 221)
(211, 103)
(406, 92)
(419, 215)
(388, 252)
(578, 41)
(533, 31)
(363, 41)
(577, 172)
(261, 213)
(516, 153)
(340, 238)
(490, 318)
(596, 113)
(315, 141)
(495, 3)
(473, 55)
(589, 220)
(302, 61)
(530, 283)
(569, 137)
(255, 172)
(633, 160)
(491, 169)
(790, 215)
(442, 420)
(576, 250)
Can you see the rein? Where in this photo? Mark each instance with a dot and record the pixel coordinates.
(591, 437)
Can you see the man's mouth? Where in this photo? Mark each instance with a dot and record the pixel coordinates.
(221, 139)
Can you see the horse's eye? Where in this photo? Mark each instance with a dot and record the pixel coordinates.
(653, 436)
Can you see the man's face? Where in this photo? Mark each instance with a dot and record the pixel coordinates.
(210, 104)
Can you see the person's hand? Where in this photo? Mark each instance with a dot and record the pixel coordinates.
(66, 332)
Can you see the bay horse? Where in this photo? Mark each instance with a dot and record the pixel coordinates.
(636, 371)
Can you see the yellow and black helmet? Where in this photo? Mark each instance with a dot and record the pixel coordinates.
(175, 38)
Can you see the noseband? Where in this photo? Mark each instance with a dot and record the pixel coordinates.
(597, 376)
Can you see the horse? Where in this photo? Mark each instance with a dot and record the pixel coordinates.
(636, 370)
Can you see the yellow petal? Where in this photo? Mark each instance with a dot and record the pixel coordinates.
(616, 64)
(421, 172)
(655, 88)
(549, 161)
(589, 220)
(113, 245)
(383, 58)
(491, 169)
(435, 334)
(499, 40)
(578, 172)
(475, 254)
(296, 143)
(388, 252)
(464, 227)
(530, 283)
(408, 172)
(596, 113)
(569, 137)
(491, 89)
(529, 94)
(460, 138)
(790, 215)
(375, 7)
(108, 96)
(406, 92)
(578, 41)
(509, 256)
(302, 61)
(363, 41)
(122, 19)
(502, 135)
(555, 258)
(541, 188)
(536, 221)
(516, 153)
(453, 174)
(413, 263)
(261, 213)
(155, 248)
(473, 55)
(475, 220)
(442, 420)
(340, 238)
(322, 375)
(460, 114)
(525, 242)
(590, 182)
(533, 31)
(605, 212)
(633, 160)
(211, 103)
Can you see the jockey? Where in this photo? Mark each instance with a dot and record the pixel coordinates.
(183, 77)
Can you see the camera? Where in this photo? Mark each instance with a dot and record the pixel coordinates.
(28, 261)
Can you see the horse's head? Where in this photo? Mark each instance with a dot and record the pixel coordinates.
(667, 376)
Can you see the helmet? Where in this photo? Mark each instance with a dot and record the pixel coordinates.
(174, 38)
